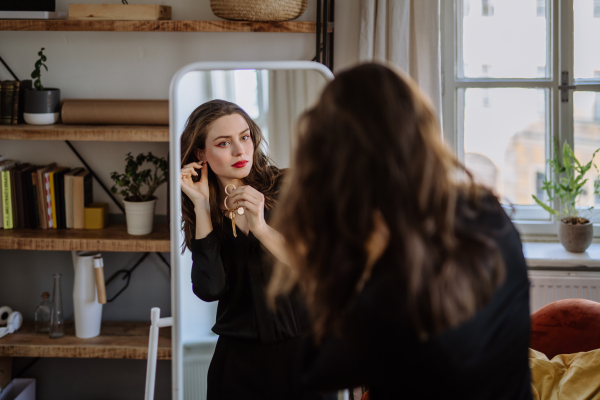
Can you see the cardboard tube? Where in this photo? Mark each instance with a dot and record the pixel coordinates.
(99, 273)
(115, 112)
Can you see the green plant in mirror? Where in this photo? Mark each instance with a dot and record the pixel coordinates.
(568, 183)
(37, 72)
(130, 183)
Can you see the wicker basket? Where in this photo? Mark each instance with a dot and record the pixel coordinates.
(258, 10)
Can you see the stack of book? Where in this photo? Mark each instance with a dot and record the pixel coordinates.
(12, 100)
(43, 196)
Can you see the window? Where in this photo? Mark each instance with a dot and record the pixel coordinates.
(596, 8)
(487, 9)
(541, 8)
(501, 96)
(467, 7)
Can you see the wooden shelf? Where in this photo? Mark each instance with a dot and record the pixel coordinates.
(112, 238)
(157, 26)
(104, 133)
(128, 340)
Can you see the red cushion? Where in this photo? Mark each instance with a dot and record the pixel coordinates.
(566, 327)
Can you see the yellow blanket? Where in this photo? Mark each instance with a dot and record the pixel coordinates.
(565, 377)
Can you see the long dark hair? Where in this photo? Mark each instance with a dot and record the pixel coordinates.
(263, 175)
(372, 143)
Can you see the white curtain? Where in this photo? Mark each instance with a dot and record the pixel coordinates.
(407, 33)
(291, 92)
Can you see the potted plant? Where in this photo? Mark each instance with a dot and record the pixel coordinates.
(139, 207)
(42, 105)
(575, 232)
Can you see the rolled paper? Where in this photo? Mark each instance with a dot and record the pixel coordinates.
(115, 112)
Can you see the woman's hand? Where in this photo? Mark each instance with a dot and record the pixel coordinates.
(196, 191)
(253, 203)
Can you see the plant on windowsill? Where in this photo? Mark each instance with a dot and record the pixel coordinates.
(575, 232)
(139, 207)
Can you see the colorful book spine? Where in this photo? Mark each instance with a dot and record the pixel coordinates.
(48, 199)
(53, 200)
(6, 200)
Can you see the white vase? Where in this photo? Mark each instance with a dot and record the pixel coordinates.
(140, 216)
(88, 311)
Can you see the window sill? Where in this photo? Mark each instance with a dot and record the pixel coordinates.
(547, 254)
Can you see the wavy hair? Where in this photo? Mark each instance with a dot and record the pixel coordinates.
(372, 143)
(263, 176)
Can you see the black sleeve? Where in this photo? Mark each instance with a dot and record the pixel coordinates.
(209, 280)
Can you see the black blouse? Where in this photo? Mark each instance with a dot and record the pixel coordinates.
(484, 358)
(235, 271)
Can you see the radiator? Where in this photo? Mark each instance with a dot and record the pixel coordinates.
(549, 286)
(196, 360)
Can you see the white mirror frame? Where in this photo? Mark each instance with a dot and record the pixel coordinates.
(175, 191)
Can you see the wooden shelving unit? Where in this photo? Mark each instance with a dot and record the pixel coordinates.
(99, 133)
(125, 340)
(112, 238)
(157, 26)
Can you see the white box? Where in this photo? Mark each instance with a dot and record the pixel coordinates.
(19, 389)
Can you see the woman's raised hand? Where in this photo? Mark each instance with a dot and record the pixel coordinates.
(196, 191)
(253, 203)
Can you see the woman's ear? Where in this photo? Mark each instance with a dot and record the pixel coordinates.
(199, 154)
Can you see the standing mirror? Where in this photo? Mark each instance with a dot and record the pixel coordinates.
(274, 95)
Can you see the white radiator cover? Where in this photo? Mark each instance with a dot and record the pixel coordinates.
(549, 286)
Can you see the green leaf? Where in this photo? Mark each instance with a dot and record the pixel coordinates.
(544, 206)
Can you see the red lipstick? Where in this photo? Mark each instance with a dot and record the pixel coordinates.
(240, 164)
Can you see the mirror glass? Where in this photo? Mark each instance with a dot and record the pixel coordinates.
(274, 98)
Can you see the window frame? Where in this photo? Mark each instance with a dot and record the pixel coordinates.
(529, 220)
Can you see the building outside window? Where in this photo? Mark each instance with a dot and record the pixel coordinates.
(487, 8)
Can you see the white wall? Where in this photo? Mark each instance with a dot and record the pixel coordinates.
(127, 65)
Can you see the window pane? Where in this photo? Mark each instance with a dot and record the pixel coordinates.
(504, 38)
(586, 120)
(587, 33)
(504, 140)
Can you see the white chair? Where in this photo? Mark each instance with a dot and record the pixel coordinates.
(156, 323)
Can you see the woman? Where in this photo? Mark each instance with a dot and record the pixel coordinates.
(415, 279)
(224, 221)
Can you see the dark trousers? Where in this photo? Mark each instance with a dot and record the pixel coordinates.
(245, 370)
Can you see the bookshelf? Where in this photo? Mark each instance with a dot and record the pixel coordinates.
(158, 26)
(124, 340)
(101, 133)
(112, 238)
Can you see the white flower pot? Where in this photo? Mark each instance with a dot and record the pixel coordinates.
(140, 216)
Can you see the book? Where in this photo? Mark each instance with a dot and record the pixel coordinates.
(42, 203)
(59, 191)
(33, 15)
(15, 111)
(82, 196)
(4, 165)
(13, 196)
(34, 194)
(6, 102)
(25, 203)
(6, 200)
(28, 5)
(69, 196)
(53, 196)
(48, 185)
(27, 181)
(20, 195)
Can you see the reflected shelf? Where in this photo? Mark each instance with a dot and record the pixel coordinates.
(158, 26)
(123, 340)
(104, 133)
(112, 238)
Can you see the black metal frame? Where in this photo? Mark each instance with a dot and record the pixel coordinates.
(324, 44)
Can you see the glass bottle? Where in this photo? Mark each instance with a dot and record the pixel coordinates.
(57, 325)
(42, 315)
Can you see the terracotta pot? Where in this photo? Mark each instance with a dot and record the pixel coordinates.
(575, 238)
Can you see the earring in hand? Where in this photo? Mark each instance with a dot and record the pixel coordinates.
(231, 213)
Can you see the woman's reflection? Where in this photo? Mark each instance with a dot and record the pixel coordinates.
(225, 209)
